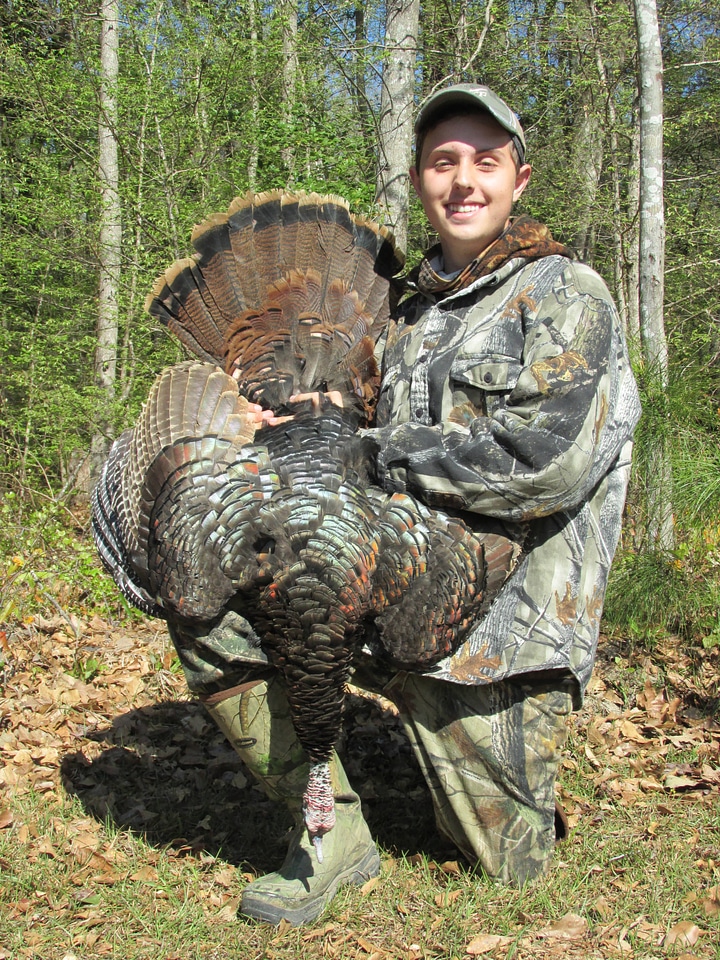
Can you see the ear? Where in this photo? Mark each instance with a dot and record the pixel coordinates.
(415, 178)
(521, 180)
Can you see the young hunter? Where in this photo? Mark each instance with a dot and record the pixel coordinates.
(507, 397)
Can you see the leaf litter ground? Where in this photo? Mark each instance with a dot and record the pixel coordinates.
(128, 826)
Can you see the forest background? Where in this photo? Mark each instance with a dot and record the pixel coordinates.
(127, 824)
(200, 101)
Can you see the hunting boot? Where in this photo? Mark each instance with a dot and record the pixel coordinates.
(255, 718)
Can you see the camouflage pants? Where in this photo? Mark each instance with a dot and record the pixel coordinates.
(489, 753)
(490, 756)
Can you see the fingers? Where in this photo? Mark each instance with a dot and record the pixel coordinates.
(272, 421)
(334, 396)
(259, 417)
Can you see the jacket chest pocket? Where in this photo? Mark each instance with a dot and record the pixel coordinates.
(480, 387)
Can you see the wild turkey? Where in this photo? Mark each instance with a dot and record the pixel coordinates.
(194, 517)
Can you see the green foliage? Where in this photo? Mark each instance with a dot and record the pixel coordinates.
(204, 114)
(647, 592)
(86, 670)
(49, 565)
(651, 591)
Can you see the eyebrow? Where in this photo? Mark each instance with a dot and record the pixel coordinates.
(448, 149)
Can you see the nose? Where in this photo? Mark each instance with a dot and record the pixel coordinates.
(462, 175)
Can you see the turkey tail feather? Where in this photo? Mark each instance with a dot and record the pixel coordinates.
(283, 287)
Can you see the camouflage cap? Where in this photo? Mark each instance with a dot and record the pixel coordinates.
(473, 95)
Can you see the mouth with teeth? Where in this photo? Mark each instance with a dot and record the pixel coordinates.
(462, 207)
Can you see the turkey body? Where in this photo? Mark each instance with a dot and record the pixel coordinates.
(196, 514)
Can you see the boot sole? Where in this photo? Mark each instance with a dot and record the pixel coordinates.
(312, 907)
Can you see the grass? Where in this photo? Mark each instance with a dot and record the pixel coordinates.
(630, 885)
(129, 828)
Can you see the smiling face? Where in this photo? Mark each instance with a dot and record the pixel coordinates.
(468, 180)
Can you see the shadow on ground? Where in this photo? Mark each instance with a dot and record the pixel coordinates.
(166, 773)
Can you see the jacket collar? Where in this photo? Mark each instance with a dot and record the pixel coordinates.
(524, 239)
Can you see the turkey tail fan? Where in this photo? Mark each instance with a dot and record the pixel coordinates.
(309, 337)
(107, 528)
(284, 288)
(190, 429)
(193, 412)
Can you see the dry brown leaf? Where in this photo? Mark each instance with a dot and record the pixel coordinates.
(318, 932)
(367, 945)
(229, 912)
(447, 897)
(711, 902)
(631, 732)
(569, 927)
(47, 849)
(672, 782)
(282, 928)
(145, 875)
(683, 934)
(623, 945)
(486, 943)
(225, 877)
(602, 908)
(369, 885)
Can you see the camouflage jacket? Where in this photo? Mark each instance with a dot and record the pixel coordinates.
(513, 399)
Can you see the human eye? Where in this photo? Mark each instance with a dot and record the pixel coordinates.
(485, 163)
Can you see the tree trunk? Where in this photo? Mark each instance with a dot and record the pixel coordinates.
(289, 11)
(652, 265)
(254, 155)
(588, 161)
(619, 259)
(632, 242)
(360, 93)
(396, 115)
(105, 366)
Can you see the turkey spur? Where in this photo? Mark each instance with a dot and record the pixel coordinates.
(197, 514)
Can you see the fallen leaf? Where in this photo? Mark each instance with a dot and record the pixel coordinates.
(229, 912)
(711, 902)
(486, 943)
(282, 928)
(603, 908)
(569, 927)
(631, 732)
(623, 945)
(447, 897)
(684, 934)
(366, 945)
(47, 849)
(225, 877)
(679, 783)
(369, 885)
